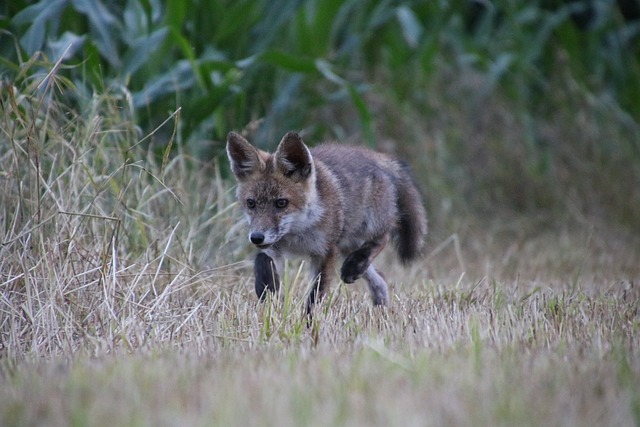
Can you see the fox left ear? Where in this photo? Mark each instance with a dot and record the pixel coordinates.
(293, 158)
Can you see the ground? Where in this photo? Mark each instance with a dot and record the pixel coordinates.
(505, 323)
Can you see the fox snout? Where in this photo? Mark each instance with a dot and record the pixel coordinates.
(262, 239)
(256, 237)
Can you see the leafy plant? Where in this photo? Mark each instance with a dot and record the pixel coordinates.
(489, 81)
(222, 63)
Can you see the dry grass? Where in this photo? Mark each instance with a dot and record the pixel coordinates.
(122, 302)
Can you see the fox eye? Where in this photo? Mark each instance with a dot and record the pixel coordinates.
(251, 203)
(282, 203)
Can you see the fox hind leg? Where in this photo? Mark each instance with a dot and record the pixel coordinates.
(377, 286)
(358, 261)
(266, 276)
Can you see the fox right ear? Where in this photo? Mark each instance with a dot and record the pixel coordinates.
(243, 157)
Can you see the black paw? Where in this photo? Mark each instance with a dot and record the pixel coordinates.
(355, 265)
(267, 279)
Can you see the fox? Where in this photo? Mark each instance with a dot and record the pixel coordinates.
(325, 203)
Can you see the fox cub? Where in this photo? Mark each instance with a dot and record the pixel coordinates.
(324, 202)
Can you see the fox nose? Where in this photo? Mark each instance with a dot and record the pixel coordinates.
(256, 238)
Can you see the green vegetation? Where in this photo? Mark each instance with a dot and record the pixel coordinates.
(526, 105)
(125, 281)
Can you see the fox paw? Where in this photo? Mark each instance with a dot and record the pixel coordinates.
(354, 266)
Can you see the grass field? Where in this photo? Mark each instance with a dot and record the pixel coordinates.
(126, 299)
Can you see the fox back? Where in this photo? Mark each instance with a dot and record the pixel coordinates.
(378, 196)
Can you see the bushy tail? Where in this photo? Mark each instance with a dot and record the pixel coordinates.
(412, 227)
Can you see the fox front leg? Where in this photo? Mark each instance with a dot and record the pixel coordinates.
(322, 269)
(266, 275)
(358, 261)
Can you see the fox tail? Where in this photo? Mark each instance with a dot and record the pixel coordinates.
(412, 224)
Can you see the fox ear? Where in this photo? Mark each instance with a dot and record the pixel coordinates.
(293, 158)
(243, 156)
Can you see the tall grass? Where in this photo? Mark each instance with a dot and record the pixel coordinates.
(97, 236)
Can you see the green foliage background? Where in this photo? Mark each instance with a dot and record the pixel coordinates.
(519, 104)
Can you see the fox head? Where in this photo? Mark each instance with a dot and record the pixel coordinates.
(277, 191)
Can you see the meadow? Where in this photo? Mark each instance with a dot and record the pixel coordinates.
(126, 294)
(126, 299)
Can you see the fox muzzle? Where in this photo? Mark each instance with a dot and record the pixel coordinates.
(256, 237)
